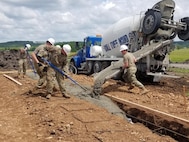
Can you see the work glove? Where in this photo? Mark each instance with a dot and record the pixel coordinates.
(45, 69)
(40, 64)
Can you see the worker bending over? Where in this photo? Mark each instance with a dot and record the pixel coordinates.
(38, 54)
(58, 57)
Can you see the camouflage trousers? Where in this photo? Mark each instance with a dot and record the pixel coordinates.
(53, 78)
(22, 66)
(42, 74)
(130, 77)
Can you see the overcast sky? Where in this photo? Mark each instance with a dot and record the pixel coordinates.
(69, 20)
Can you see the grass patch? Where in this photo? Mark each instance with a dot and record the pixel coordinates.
(179, 55)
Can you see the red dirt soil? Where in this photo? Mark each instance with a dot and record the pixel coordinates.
(27, 117)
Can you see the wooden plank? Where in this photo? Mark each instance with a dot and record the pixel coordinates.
(12, 79)
(147, 109)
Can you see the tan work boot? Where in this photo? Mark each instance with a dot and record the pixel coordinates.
(66, 96)
(144, 91)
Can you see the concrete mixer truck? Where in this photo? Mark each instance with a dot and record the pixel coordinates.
(148, 35)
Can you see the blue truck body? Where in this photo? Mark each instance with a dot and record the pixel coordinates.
(79, 61)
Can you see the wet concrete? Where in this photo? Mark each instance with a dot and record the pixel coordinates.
(101, 101)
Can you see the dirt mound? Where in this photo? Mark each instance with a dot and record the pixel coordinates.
(9, 59)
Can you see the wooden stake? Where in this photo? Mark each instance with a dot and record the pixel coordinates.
(12, 79)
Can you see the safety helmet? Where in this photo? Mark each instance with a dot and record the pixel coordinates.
(27, 46)
(51, 41)
(123, 47)
(58, 46)
(67, 48)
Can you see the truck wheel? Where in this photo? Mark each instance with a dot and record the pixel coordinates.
(152, 22)
(184, 34)
(89, 67)
(105, 65)
(97, 67)
(72, 68)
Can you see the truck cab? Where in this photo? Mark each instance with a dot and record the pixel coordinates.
(78, 63)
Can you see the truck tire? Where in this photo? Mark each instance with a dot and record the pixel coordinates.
(97, 67)
(89, 67)
(72, 68)
(105, 65)
(151, 22)
(184, 35)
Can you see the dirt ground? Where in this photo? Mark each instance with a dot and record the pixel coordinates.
(26, 116)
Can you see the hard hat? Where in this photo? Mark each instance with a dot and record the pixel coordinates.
(67, 48)
(123, 47)
(58, 46)
(27, 46)
(51, 41)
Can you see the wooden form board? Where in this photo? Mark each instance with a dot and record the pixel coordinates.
(185, 122)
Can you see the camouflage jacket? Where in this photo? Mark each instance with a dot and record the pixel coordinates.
(57, 58)
(41, 52)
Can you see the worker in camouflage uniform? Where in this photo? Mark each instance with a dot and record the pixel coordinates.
(23, 60)
(40, 53)
(58, 57)
(130, 70)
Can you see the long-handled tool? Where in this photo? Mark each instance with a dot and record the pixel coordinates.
(31, 63)
(63, 73)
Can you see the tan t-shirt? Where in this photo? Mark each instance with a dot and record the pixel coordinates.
(130, 59)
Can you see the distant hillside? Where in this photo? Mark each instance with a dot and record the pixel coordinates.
(14, 43)
(74, 44)
(182, 44)
(18, 44)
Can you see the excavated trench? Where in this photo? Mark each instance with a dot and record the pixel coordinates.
(158, 124)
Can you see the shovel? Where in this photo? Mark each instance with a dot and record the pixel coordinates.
(63, 73)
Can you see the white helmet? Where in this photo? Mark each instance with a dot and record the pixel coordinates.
(51, 41)
(67, 48)
(58, 46)
(27, 46)
(123, 47)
